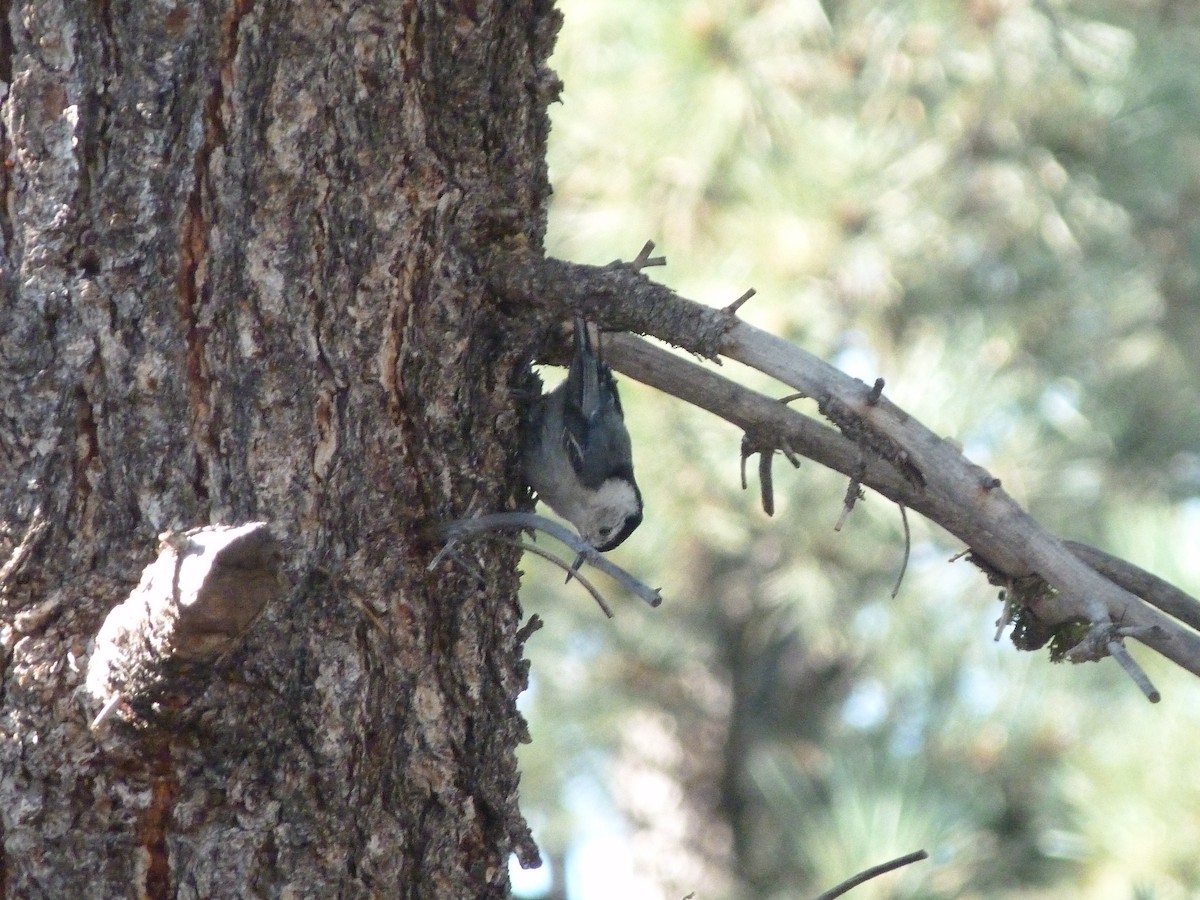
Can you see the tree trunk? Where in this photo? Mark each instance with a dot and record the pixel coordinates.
(238, 283)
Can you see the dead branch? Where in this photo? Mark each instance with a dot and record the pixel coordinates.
(459, 530)
(875, 441)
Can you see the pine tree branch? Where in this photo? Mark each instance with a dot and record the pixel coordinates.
(873, 440)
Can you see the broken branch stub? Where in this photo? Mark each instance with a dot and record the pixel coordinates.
(192, 607)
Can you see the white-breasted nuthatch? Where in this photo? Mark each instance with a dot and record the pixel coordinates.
(577, 454)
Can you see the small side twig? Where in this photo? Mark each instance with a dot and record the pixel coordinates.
(789, 454)
(643, 260)
(766, 457)
(38, 525)
(1107, 639)
(732, 308)
(907, 550)
(766, 481)
(482, 527)
(1117, 651)
(106, 711)
(767, 484)
(1006, 611)
(572, 572)
(867, 874)
(854, 493)
(875, 393)
(451, 551)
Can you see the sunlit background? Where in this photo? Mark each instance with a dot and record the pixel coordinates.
(995, 205)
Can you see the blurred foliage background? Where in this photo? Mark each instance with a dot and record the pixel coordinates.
(995, 205)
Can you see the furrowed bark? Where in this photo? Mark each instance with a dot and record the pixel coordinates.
(238, 282)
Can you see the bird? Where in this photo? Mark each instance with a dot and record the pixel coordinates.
(576, 453)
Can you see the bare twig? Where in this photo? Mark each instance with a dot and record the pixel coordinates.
(766, 480)
(1006, 611)
(533, 548)
(21, 553)
(789, 454)
(105, 711)
(854, 493)
(643, 260)
(875, 393)
(450, 550)
(907, 550)
(867, 874)
(1117, 651)
(482, 526)
(737, 304)
(766, 459)
(1106, 639)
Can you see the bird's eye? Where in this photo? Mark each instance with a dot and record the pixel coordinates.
(605, 532)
